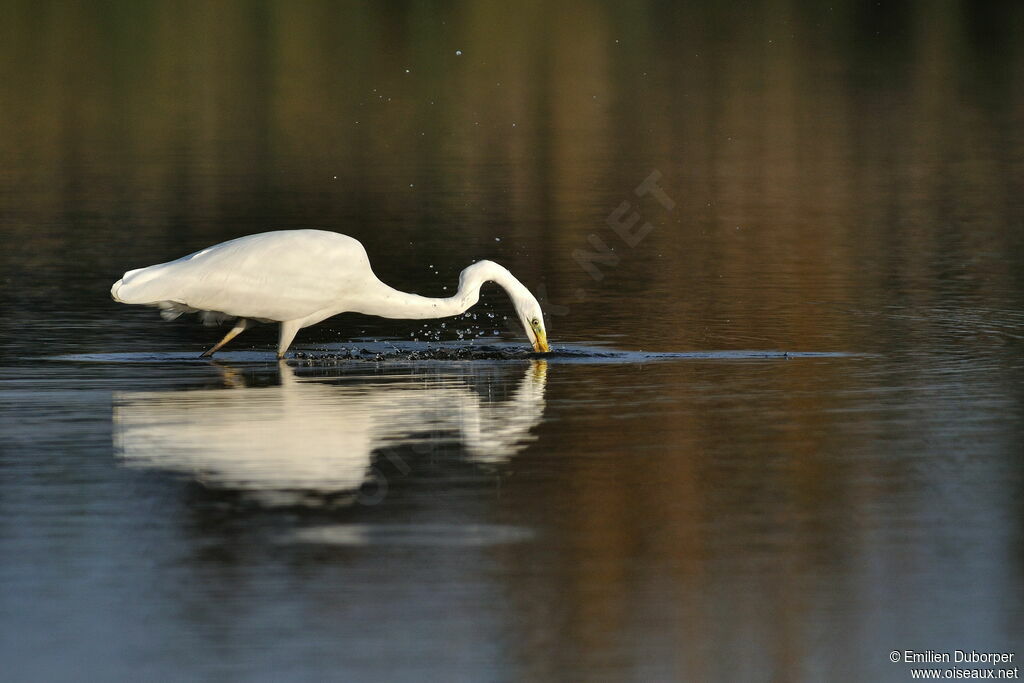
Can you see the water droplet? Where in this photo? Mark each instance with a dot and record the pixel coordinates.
(458, 53)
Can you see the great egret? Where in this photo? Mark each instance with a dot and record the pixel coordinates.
(298, 278)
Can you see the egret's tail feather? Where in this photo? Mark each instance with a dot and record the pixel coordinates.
(137, 287)
(141, 286)
(113, 292)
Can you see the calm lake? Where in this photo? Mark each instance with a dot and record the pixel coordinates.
(780, 248)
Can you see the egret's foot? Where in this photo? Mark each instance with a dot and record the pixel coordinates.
(239, 327)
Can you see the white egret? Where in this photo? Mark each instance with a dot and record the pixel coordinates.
(299, 278)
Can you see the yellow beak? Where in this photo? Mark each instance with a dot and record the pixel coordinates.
(541, 345)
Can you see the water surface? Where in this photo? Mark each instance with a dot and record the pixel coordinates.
(780, 434)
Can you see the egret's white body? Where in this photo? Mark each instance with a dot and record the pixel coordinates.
(298, 278)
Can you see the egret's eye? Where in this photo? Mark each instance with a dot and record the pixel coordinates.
(535, 322)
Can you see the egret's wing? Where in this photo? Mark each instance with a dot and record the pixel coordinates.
(284, 275)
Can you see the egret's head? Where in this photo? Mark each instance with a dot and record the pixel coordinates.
(526, 304)
(532, 319)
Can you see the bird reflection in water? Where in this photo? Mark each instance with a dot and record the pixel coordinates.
(310, 438)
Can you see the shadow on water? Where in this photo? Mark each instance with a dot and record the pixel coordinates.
(313, 441)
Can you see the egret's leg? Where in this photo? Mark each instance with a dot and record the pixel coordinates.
(239, 327)
(288, 330)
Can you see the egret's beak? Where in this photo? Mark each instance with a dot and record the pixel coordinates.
(540, 344)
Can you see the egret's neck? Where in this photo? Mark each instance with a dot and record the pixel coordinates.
(388, 302)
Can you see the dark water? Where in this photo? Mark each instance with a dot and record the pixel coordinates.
(780, 435)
